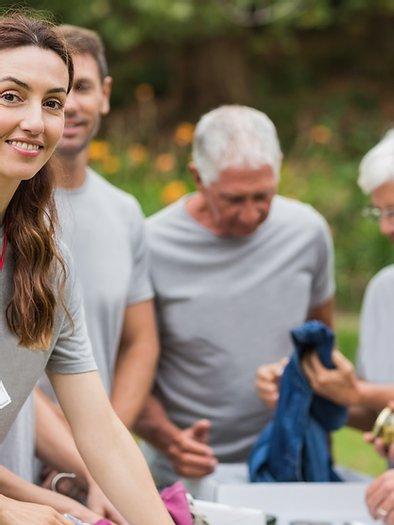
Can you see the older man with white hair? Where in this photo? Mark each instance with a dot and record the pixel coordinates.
(234, 267)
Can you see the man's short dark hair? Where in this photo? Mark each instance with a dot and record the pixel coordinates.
(85, 41)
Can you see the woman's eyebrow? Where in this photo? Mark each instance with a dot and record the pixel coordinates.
(16, 81)
(28, 88)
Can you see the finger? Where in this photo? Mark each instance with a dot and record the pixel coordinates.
(375, 496)
(308, 371)
(267, 388)
(266, 373)
(316, 364)
(193, 472)
(188, 444)
(381, 447)
(368, 437)
(195, 462)
(201, 430)
(340, 361)
(385, 507)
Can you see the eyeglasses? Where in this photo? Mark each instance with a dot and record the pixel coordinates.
(372, 212)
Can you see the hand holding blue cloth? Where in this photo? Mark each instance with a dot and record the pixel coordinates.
(295, 445)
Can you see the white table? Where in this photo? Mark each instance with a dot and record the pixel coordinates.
(335, 503)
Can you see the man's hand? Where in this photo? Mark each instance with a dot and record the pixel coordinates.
(380, 498)
(267, 382)
(339, 385)
(14, 512)
(189, 452)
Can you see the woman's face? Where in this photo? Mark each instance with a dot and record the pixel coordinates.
(33, 89)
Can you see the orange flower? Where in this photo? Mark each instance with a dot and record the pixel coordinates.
(165, 162)
(111, 165)
(138, 154)
(173, 191)
(320, 134)
(99, 150)
(144, 93)
(184, 134)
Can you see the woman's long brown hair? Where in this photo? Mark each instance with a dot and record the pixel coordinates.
(30, 218)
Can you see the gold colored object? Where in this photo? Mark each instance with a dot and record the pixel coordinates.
(384, 426)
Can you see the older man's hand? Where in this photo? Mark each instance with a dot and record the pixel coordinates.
(190, 454)
(380, 498)
(340, 384)
(267, 382)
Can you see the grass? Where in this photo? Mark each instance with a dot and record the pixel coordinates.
(349, 448)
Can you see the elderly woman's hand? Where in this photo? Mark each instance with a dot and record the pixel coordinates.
(381, 448)
(380, 498)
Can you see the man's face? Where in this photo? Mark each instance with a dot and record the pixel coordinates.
(86, 103)
(383, 198)
(240, 200)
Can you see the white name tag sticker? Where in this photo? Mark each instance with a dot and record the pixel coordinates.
(4, 396)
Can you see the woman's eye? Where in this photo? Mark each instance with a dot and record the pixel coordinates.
(10, 97)
(54, 104)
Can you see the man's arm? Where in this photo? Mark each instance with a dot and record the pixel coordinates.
(324, 312)
(136, 362)
(187, 449)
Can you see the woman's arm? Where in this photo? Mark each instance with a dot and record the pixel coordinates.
(17, 488)
(108, 449)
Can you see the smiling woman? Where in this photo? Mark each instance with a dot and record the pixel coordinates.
(41, 321)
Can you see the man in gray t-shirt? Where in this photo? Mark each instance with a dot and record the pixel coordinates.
(234, 268)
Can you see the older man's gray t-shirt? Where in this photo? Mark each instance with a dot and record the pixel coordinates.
(226, 306)
(104, 229)
(21, 367)
(375, 360)
(17, 449)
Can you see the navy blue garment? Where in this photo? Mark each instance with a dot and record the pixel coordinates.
(295, 445)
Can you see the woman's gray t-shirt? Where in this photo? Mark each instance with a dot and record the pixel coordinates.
(20, 367)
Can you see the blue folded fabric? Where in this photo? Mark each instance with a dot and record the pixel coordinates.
(295, 446)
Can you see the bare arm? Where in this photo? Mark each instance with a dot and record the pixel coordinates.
(136, 362)
(188, 449)
(361, 417)
(56, 447)
(108, 449)
(54, 443)
(17, 488)
(324, 312)
(154, 426)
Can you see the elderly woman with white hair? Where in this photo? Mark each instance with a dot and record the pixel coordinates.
(373, 387)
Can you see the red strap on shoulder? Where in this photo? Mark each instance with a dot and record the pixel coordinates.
(3, 251)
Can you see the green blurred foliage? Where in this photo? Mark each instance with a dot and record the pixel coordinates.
(321, 69)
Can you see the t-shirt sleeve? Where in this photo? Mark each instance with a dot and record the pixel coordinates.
(140, 288)
(72, 353)
(323, 283)
(369, 323)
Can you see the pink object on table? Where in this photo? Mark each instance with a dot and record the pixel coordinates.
(174, 498)
(102, 522)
